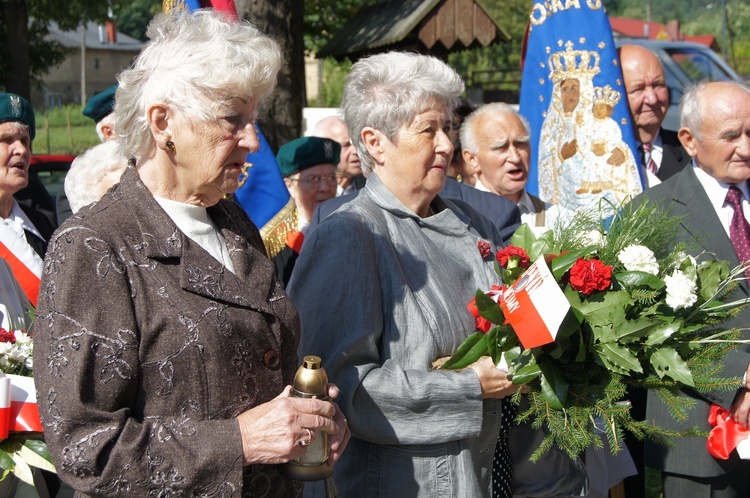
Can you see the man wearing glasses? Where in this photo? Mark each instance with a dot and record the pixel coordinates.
(308, 165)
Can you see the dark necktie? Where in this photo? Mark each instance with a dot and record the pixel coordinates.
(739, 228)
(648, 161)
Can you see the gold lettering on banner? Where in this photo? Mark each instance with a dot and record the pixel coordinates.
(594, 4)
(541, 11)
(538, 14)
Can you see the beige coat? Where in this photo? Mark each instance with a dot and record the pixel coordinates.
(146, 349)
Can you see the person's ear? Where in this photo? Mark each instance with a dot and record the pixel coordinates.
(109, 132)
(688, 141)
(471, 160)
(289, 185)
(159, 121)
(374, 141)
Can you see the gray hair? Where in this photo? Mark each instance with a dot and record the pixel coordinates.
(691, 111)
(386, 91)
(190, 63)
(82, 183)
(468, 132)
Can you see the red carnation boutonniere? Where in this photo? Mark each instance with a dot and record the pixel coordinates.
(590, 275)
(484, 248)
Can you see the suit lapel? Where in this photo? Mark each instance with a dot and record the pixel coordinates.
(702, 225)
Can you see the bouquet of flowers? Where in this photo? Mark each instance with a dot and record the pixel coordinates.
(22, 445)
(641, 313)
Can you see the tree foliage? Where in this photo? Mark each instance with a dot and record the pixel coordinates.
(25, 55)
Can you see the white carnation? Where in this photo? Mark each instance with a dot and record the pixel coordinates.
(592, 238)
(680, 290)
(639, 258)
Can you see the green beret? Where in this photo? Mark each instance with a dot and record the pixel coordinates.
(307, 152)
(101, 104)
(14, 108)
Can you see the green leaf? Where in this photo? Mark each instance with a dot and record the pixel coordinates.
(6, 461)
(711, 275)
(605, 308)
(525, 374)
(668, 363)
(39, 447)
(489, 309)
(663, 332)
(22, 470)
(35, 458)
(630, 330)
(554, 384)
(544, 244)
(617, 358)
(523, 237)
(638, 279)
(470, 351)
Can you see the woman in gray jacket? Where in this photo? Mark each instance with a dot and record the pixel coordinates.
(382, 286)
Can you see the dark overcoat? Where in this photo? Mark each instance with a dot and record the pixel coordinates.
(147, 348)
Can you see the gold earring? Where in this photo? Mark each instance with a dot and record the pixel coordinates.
(170, 145)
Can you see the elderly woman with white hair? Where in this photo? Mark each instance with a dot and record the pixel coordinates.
(415, 262)
(165, 345)
(93, 173)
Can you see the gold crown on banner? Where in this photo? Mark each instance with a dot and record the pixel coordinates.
(606, 95)
(168, 6)
(573, 64)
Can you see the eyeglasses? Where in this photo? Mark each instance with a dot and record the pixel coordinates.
(313, 181)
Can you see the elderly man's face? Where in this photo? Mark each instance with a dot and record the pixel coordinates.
(349, 165)
(15, 157)
(648, 96)
(724, 148)
(502, 157)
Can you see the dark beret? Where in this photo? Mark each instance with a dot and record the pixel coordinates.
(307, 152)
(14, 108)
(101, 104)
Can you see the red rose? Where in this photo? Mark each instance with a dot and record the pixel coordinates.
(484, 248)
(6, 336)
(513, 253)
(590, 275)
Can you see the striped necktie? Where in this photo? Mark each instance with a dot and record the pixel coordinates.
(648, 161)
(739, 228)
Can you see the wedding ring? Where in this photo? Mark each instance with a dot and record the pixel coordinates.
(306, 442)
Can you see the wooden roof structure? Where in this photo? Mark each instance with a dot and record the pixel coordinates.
(433, 27)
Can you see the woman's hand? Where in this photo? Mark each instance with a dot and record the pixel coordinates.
(272, 432)
(495, 383)
(337, 442)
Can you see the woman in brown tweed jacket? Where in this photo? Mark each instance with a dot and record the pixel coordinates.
(163, 340)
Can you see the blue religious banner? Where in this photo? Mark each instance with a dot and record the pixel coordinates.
(263, 193)
(573, 96)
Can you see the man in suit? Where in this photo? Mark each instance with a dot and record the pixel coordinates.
(24, 232)
(662, 154)
(496, 147)
(715, 131)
